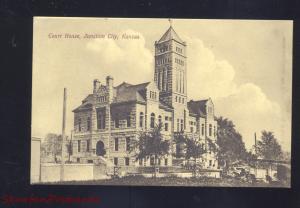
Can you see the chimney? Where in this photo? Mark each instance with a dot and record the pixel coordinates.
(96, 85)
(110, 87)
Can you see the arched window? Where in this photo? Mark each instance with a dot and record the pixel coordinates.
(152, 122)
(79, 124)
(159, 120)
(210, 130)
(88, 124)
(202, 129)
(141, 119)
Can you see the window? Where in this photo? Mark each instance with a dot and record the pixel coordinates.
(192, 129)
(127, 143)
(210, 130)
(166, 126)
(159, 120)
(183, 100)
(152, 120)
(101, 118)
(88, 124)
(178, 125)
(117, 122)
(140, 161)
(210, 162)
(151, 160)
(101, 99)
(78, 145)
(202, 129)
(215, 133)
(175, 98)
(127, 161)
(179, 99)
(116, 144)
(79, 124)
(88, 145)
(166, 161)
(128, 121)
(179, 50)
(116, 161)
(153, 95)
(141, 119)
(158, 162)
(181, 125)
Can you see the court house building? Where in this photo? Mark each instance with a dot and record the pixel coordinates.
(112, 116)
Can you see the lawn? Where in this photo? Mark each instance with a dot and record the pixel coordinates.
(174, 181)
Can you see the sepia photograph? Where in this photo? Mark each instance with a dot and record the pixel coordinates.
(161, 102)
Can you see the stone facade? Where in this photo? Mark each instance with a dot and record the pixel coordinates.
(111, 116)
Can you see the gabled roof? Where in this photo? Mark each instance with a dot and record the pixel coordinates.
(88, 99)
(126, 92)
(102, 88)
(84, 106)
(197, 107)
(169, 35)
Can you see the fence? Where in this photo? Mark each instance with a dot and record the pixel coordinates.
(50, 172)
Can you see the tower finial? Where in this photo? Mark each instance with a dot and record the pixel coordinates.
(170, 21)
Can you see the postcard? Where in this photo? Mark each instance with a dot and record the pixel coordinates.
(161, 102)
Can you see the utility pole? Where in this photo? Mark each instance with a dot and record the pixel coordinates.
(255, 152)
(63, 136)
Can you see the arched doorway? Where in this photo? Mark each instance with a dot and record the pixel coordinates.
(100, 151)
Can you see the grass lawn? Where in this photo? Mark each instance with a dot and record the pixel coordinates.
(173, 181)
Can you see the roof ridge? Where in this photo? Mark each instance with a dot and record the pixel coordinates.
(198, 100)
(139, 84)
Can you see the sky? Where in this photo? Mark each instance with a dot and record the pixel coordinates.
(244, 66)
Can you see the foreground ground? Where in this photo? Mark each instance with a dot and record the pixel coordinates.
(175, 181)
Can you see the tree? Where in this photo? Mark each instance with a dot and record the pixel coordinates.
(230, 143)
(53, 145)
(188, 147)
(268, 147)
(151, 144)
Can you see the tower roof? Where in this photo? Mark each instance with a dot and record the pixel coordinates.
(169, 35)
